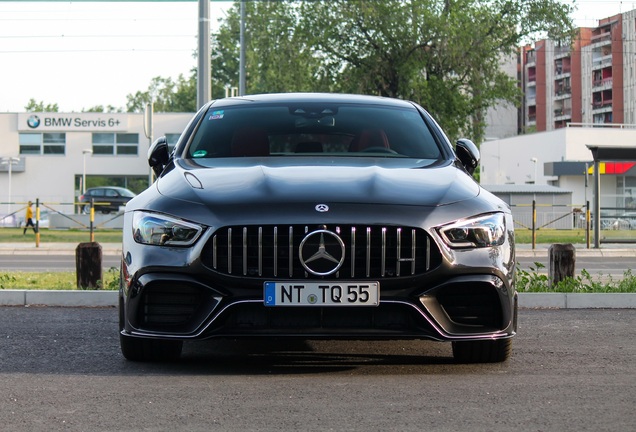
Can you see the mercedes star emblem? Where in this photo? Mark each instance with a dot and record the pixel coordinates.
(322, 252)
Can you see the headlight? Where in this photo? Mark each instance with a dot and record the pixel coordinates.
(161, 230)
(481, 231)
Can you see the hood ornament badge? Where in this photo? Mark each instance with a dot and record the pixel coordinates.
(322, 208)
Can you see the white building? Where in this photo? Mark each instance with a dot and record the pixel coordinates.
(51, 153)
(559, 158)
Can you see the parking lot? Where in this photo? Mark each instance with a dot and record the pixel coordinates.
(570, 370)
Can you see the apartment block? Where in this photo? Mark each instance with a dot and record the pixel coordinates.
(591, 82)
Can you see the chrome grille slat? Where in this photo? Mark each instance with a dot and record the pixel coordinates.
(229, 249)
(399, 251)
(353, 251)
(383, 256)
(368, 251)
(214, 252)
(291, 251)
(275, 251)
(413, 241)
(260, 251)
(244, 250)
(271, 251)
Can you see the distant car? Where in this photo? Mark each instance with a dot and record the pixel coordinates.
(316, 216)
(106, 199)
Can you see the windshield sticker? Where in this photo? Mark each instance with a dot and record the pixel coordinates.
(216, 115)
(199, 153)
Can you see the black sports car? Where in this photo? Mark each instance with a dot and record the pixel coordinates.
(316, 216)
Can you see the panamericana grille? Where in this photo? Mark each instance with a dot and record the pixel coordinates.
(272, 251)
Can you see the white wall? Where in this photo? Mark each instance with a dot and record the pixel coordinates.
(508, 161)
(501, 120)
(51, 178)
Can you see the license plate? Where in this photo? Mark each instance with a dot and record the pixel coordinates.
(322, 293)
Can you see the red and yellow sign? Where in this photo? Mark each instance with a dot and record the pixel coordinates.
(612, 167)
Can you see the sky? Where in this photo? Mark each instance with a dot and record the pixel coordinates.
(81, 54)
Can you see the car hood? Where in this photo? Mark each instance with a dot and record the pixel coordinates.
(261, 184)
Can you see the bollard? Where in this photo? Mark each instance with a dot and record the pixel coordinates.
(88, 263)
(562, 258)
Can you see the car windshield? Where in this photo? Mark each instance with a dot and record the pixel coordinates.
(317, 129)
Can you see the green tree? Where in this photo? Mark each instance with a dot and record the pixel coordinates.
(103, 109)
(443, 54)
(279, 56)
(166, 95)
(34, 106)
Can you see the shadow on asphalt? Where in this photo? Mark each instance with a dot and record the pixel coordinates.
(84, 341)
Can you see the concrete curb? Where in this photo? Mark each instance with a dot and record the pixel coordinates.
(109, 299)
(577, 300)
(58, 298)
(542, 252)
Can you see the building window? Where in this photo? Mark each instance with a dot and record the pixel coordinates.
(42, 143)
(115, 144)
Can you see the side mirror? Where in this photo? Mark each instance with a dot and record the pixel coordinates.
(158, 156)
(468, 154)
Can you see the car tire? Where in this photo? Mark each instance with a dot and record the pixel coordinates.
(149, 350)
(488, 351)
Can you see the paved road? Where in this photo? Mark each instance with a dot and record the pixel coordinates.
(49, 263)
(571, 370)
(595, 265)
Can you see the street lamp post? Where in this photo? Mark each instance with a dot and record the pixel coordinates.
(84, 153)
(9, 161)
(535, 160)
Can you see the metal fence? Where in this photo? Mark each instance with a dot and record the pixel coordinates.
(60, 216)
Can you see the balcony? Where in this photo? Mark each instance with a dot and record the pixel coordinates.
(606, 82)
(562, 113)
(563, 91)
(601, 38)
(602, 106)
(562, 71)
(601, 62)
(531, 57)
(560, 51)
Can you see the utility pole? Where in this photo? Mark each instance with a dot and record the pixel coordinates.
(242, 54)
(204, 75)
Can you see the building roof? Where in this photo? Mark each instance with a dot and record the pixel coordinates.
(612, 152)
(525, 189)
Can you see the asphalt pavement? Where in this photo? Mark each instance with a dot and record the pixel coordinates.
(109, 298)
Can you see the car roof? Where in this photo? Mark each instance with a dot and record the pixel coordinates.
(310, 98)
(108, 187)
(116, 188)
